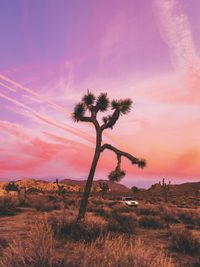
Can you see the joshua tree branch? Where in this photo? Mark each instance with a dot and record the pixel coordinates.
(86, 119)
(120, 153)
(111, 121)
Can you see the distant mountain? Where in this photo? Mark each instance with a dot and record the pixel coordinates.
(78, 185)
(112, 185)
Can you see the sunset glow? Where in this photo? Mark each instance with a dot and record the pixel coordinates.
(53, 51)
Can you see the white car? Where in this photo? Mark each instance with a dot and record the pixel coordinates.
(129, 201)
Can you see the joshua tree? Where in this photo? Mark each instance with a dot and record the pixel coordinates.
(104, 188)
(61, 189)
(86, 111)
(166, 189)
(21, 191)
(11, 186)
(135, 189)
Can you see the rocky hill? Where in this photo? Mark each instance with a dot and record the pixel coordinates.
(178, 189)
(112, 186)
(68, 184)
(187, 189)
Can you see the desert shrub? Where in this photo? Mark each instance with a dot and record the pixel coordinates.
(103, 212)
(169, 214)
(112, 203)
(122, 223)
(36, 250)
(122, 208)
(97, 202)
(86, 231)
(3, 245)
(8, 206)
(184, 241)
(42, 203)
(151, 222)
(149, 210)
(69, 202)
(33, 190)
(189, 217)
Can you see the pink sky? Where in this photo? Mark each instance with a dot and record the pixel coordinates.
(51, 52)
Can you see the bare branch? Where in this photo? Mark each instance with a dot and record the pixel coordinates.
(140, 162)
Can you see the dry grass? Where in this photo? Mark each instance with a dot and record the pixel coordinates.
(114, 234)
(36, 250)
(39, 251)
(87, 231)
(119, 251)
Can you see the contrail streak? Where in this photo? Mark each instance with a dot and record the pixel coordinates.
(8, 87)
(38, 96)
(52, 104)
(49, 121)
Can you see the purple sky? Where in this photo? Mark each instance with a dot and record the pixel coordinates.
(52, 51)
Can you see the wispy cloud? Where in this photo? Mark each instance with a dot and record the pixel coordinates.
(175, 30)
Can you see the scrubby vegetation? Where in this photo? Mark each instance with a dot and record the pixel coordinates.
(47, 233)
(8, 206)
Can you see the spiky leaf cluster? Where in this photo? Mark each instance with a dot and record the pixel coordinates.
(79, 112)
(116, 175)
(142, 163)
(102, 102)
(88, 99)
(123, 105)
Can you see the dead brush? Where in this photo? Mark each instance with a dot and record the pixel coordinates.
(184, 241)
(36, 250)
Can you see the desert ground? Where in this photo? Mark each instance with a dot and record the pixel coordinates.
(40, 229)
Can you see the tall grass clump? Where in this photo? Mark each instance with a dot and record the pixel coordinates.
(86, 231)
(119, 251)
(36, 250)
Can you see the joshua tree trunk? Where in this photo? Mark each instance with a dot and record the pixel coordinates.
(88, 186)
